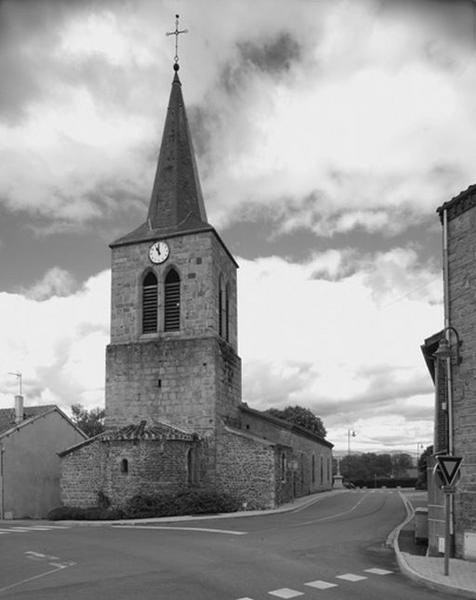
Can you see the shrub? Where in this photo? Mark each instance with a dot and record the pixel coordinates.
(185, 502)
(76, 513)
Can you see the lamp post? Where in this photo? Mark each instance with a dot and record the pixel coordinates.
(350, 432)
(449, 354)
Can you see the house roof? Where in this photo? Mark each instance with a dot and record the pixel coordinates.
(138, 431)
(297, 429)
(462, 202)
(30, 414)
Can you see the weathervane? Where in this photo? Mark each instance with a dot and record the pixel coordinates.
(176, 33)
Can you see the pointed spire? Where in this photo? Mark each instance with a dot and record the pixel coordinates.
(176, 201)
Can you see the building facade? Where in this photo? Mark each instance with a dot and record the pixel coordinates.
(174, 413)
(455, 376)
(30, 469)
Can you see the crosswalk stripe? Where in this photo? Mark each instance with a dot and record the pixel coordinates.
(321, 585)
(351, 577)
(286, 593)
(378, 571)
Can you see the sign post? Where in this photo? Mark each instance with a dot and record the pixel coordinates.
(449, 467)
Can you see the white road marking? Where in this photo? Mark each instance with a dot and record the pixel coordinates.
(31, 554)
(351, 577)
(378, 571)
(11, 531)
(203, 529)
(286, 593)
(245, 599)
(9, 587)
(346, 512)
(321, 585)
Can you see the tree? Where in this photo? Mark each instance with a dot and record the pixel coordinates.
(400, 464)
(422, 464)
(89, 421)
(300, 416)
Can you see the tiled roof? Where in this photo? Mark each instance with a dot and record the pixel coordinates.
(156, 431)
(464, 201)
(7, 415)
(141, 431)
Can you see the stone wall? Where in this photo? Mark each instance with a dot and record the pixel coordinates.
(199, 259)
(183, 382)
(152, 467)
(246, 469)
(462, 313)
(310, 474)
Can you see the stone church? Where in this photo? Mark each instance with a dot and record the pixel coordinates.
(174, 413)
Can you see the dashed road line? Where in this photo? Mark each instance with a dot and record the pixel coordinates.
(351, 577)
(376, 571)
(321, 585)
(286, 593)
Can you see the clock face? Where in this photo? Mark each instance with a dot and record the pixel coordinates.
(159, 252)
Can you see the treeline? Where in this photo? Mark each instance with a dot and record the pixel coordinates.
(370, 466)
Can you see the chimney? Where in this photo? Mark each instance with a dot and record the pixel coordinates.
(19, 409)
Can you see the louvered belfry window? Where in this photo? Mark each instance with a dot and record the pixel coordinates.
(172, 301)
(149, 303)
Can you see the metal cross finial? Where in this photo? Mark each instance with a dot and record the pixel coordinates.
(176, 33)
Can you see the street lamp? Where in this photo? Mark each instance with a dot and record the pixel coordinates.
(350, 433)
(450, 354)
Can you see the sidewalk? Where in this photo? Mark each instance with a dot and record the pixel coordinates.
(414, 563)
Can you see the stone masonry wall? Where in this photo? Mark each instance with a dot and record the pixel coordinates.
(153, 466)
(199, 259)
(311, 475)
(184, 382)
(462, 294)
(246, 468)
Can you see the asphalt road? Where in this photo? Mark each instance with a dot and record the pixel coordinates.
(333, 549)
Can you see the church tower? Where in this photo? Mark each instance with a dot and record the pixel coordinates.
(173, 351)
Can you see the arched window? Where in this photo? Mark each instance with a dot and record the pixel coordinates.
(192, 466)
(172, 301)
(283, 466)
(227, 312)
(221, 306)
(149, 303)
(124, 466)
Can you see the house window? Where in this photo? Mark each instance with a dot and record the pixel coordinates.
(283, 466)
(313, 469)
(149, 303)
(172, 301)
(124, 465)
(192, 466)
(322, 470)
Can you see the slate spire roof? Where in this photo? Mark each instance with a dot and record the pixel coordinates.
(176, 204)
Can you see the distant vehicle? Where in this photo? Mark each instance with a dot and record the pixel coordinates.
(349, 485)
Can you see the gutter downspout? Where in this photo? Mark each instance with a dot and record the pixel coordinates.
(448, 333)
(446, 301)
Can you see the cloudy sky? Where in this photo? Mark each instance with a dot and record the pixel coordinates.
(327, 134)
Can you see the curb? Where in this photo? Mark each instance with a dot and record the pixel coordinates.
(409, 572)
(289, 507)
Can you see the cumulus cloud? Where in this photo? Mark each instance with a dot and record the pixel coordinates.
(331, 116)
(57, 343)
(347, 348)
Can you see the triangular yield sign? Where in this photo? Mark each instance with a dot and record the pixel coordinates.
(449, 466)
